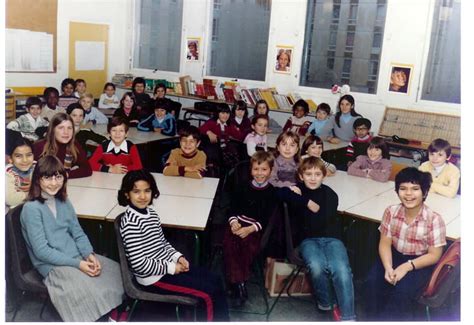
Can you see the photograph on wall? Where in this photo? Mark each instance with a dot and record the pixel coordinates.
(192, 45)
(283, 59)
(400, 75)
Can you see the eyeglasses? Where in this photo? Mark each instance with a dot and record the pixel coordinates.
(58, 178)
(362, 128)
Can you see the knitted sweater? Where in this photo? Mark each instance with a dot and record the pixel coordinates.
(27, 125)
(102, 157)
(254, 141)
(108, 102)
(245, 126)
(298, 125)
(167, 124)
(358, 146)
(345, 131)
(214, 127)
(48, 113)
(283, 172)
(177, 161)
(132, 116)
(378, 170)
(95, 116)
(322, 129)
(17, 184)
(447, 182)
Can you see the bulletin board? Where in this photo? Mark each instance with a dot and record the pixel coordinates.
(421, 126)
(34, 15)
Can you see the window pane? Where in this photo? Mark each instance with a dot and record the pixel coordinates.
(240, 39)
(442, 81)
(158, 38)
(356, 54)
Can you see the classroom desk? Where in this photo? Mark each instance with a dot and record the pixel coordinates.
(272, 137)
(453, 229)
(96, 204)
(137, 137)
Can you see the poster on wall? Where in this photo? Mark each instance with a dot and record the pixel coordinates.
(283, 59)
(400, 76)
(192, 45)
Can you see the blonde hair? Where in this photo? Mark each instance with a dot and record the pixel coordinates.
(309, 163)
(86, 95)
(289, 135)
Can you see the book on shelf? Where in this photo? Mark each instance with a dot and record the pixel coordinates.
(268, 96)
(229, 95)
(312, 105)
(282, 102)
(184, 81)
(210, 88)
(294, 97)
(246, 96)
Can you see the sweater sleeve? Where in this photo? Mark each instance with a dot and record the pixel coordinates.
(147, 124)
(101, 103)
(381, 175)
(33, 231)
(251, 145)
(13, 196)
(200, 161)
(100, 117)
(170, 128)
(450, 185)
(84, 169)
(135, 157)
(355, 169)
(82, 242)
(95, 161)
(171, 166)
(287, 125)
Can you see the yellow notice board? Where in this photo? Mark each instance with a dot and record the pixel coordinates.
(88, 53)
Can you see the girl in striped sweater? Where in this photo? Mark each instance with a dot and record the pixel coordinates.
(158, 266)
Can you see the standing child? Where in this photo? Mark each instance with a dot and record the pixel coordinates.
(31, 125)
(108, 99)
(313, 146)
(92, 113)
(343, 120)
(445, 174)
(300, 121)
(81, 88)
(161, 121)
(284, 171)
(376, 164)
(261, 107)
(83, 131)
(144, 104)
(412, 237)
(359, 144)
(128, 110)
(51, 98)
(322, 125)
(18, 172)
(239, 118)
(60, 142)
(318, 232)
(117, 155)
(158, 267)
(252, 206)
(82, 285)
(187, 160)
(257, 139)
(67, 97)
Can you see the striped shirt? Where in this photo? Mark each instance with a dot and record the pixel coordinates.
(148, 252)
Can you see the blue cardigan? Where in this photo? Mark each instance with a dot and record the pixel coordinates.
(53, 241)
(168, 125)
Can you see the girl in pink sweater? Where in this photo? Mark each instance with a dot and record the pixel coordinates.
(376, 165)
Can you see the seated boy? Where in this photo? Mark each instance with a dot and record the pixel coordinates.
(359, 144)
(51, 107)
(31, 125)
(92, 114)
(187, 160)
(117, 155)
(445, 174)
(162, 121)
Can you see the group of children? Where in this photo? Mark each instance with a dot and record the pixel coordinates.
(412, 235)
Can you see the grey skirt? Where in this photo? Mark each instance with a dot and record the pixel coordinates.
(80, 298)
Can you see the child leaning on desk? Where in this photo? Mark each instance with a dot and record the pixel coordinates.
(313, 146)
(31, 125)
(93, 114)
(322, 125)
(187, 160)
(445, 174)
(117, 155)
(161, 121)
(376, 164)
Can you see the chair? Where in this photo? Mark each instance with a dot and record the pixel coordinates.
(25, 276)
(396, 167)
(137, 294)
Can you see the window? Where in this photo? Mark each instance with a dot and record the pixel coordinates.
(239, 40)
(158, 35)
(346, 49)
(442, 80)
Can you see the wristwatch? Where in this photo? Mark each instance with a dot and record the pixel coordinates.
(412, 265)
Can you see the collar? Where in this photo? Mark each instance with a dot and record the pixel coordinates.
(142, 211)
(259, 186)
(239, 120)
(22, 173)
(89, 111)
(122, 147)
(366, 137)
(220, 123)
(31, 119)
(401, 214)
(192, 155)
(439, 169)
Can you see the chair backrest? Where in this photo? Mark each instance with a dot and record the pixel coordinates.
(24, 274)
(237, 176)
(291, 253)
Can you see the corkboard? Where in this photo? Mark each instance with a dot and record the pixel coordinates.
(421, 126)
(34, 15)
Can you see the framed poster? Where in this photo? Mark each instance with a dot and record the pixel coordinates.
(193, 46)
(283, 59)
(400, 76)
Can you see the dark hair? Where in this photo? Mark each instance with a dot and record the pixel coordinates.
(311, 162)
(33, 101)
(74, 106)
(116, 121)
(68, 81)
(80, 80)
(310, 139)
(440, 145)
(379, 143)
(190, 131)
(351, 100)
(128, 182)
(256, 117)
(51, 146)
(109, 84)
(49, 90)
(261, 101)
(414, 176)
(47, 166)
(138, 80)
(324, 107)
(160, 85)
(162, 103)
(261, 157)
(292, 135)
(302, 103)
(132, 96)
(240, 105)
(18, 142)
(362, 121)
(221, 108)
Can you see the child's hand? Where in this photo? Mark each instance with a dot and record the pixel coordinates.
(184, 262)
(349, 163)
(197, 168)
(212, 136)
(245, 231)
(400, 272)
(334, 140)
(234, 226)
(97, 267)
(88, 125)
(87, 267)
(313, 206)
(179, 268)
(390, 276)
(118, 169)
(157, 130)
(307, 123)
(295, 189)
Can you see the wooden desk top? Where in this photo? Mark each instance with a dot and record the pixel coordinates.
(453, 229)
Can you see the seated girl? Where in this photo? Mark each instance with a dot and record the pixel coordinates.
(300, 121)
(313, 146)
(261, 107)
(376, 165)
(257, 139)
(239, 118)
(284, 170)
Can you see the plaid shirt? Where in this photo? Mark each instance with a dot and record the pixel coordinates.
(428, 229)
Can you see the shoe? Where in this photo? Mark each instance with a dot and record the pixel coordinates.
(115, 316)
(336, 314)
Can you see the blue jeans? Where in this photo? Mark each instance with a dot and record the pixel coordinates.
(327, 261)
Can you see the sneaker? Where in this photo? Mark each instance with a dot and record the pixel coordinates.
(115, 316)
(336, 314)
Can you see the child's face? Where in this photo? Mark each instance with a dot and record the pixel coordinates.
(140, 195)
(22, 158)
(438, 158)
(128, 102)
(321, 115)
(262, 109)
(35, 111)
(261, 126)
(109, 91)
(86, 103)
(261, 172)
(224, 117)
(63, 132)
(410, 195)
(283, 60)
(52, 184)
(68, 90)
(288, 148)
(361, 131)
(398, 78)
(77, 116)
(239, 113)
(52, 100)
(315, 150)
(81, 87)
(160, 93)
(312, 178)
(374, 153)
(345, 106)
(299, 112)
(118, 134)
(160, 113)
(188, 144)
(139, 88)
(192, 48)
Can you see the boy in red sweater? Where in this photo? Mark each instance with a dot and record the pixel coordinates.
(116, 155)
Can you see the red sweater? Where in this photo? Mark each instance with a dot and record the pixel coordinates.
(229, 130)
(83, 169)
(102, 158)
